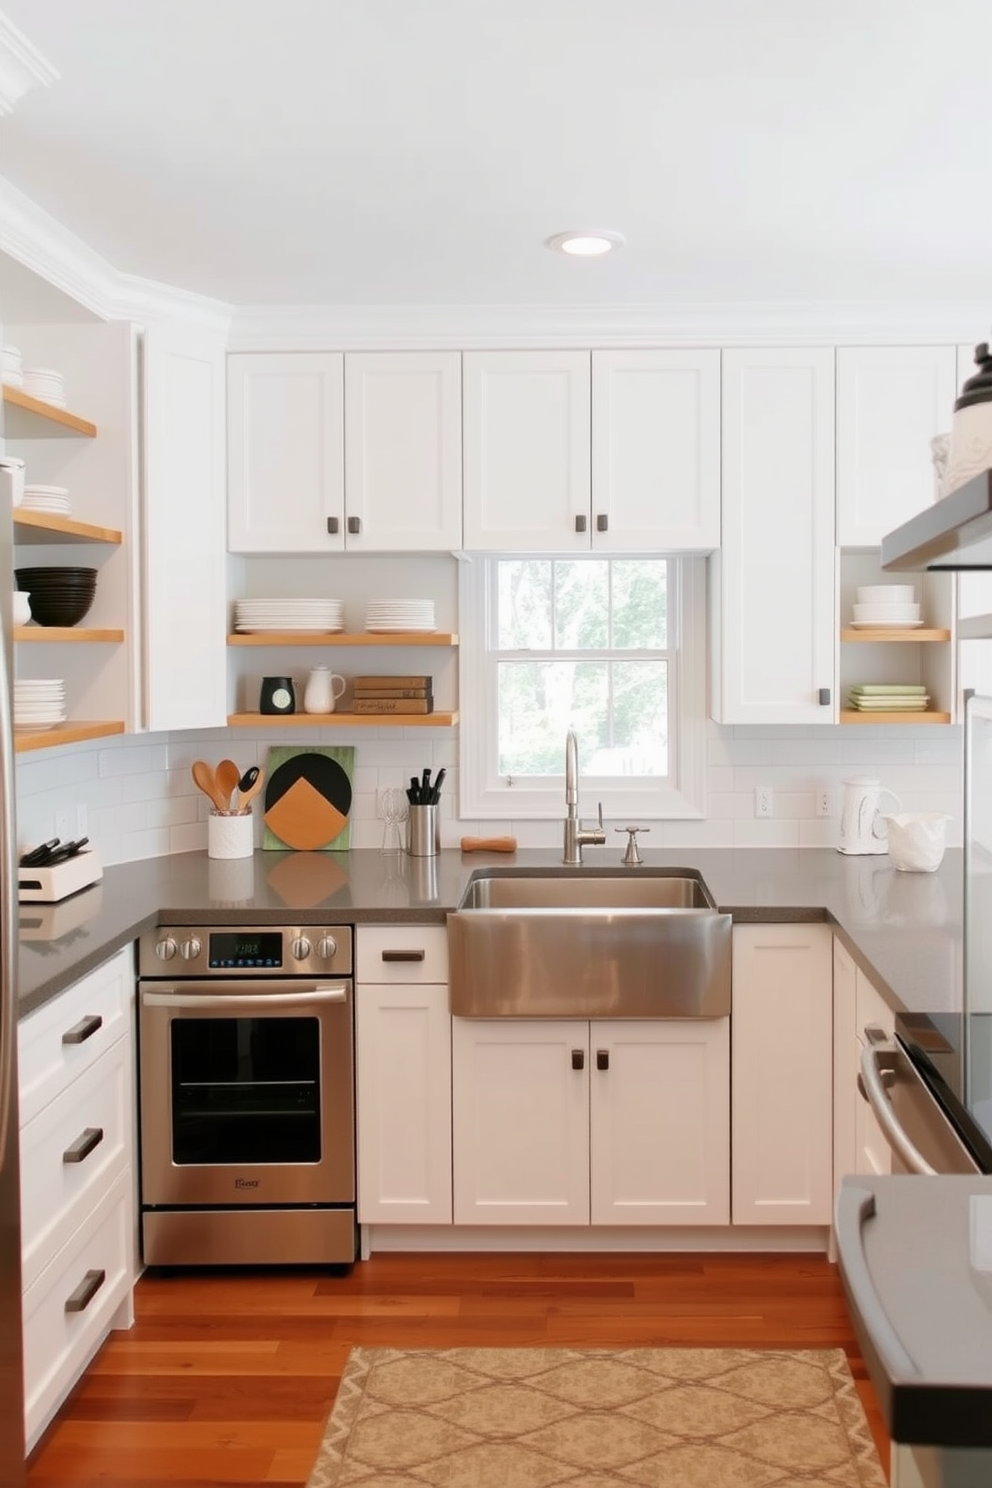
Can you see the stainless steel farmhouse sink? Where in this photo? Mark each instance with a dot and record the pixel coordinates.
(553, 943)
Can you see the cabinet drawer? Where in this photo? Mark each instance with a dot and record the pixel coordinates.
(71, 1152)
(401, 953)
(69, 1034)
(59, 1343)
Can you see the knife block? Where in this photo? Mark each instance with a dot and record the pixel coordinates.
(49, 885)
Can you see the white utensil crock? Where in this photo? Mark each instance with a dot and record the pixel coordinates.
(230, 836)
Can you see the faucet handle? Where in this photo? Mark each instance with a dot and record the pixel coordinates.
(631, 856)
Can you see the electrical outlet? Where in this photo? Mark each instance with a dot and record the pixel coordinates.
(764, 800)
(823, 802)
(62, 831)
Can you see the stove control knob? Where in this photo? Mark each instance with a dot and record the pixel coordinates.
(300, 948)
(166, 948)
(327, 947)
(190, 949)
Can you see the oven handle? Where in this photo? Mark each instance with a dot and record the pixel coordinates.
(309, 997)
(872, 1073)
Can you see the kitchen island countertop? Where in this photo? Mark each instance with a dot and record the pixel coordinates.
(904, 929)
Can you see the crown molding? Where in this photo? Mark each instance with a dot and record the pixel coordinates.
(21, 66)
(42, 245)
(395, 327)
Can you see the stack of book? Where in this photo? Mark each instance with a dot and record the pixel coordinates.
(393, 695)
(889, 697)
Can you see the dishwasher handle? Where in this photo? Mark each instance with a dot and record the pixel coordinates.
(855, 1206)
(877, 1061)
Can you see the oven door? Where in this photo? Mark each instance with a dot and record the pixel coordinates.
(246, 1093)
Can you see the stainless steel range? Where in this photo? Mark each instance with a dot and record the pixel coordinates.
(247, 1095)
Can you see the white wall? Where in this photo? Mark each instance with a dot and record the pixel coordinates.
(137, 799)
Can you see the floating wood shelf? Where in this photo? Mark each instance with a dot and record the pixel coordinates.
(877, 715)
(342, 720)
(339, 638)
(925, 633)
(42, 527)
(32, 418)
(64, 733)
(60, 633)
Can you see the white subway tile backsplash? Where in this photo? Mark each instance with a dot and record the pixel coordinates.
(140, 799)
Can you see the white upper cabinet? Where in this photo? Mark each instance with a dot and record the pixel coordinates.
(773, 586)
(526, 427)
(286, 452)
(609, 451)
(184, 529)
(656, 451)
(403, 451)
(891, 401)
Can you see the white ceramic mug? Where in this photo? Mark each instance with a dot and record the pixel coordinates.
(322, 691)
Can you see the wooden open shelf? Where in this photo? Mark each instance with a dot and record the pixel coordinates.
(64, 733)
(44, 527)
(340, 638)
(342, 720)
(892, 635)
(71, 633)
(31, 418)
(878, 715)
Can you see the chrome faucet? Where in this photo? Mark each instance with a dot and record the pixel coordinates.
(576, 835)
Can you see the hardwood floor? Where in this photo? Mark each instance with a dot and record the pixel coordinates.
(227, 1377)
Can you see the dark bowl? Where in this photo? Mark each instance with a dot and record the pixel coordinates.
(27, 576)
(61, 611)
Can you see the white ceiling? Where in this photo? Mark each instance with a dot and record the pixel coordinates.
(413, 152)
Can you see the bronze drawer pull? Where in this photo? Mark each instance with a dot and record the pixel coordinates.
(85, 1291)
(578, 1059)
(81, 1148)
(602, 1059)
(84, 1029)
(420, 955)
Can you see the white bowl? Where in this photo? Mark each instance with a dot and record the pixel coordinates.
(886, 593)
(22, 607)
(916, 840)
(887, 614)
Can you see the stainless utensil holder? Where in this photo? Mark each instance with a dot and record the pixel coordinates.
(423, 832)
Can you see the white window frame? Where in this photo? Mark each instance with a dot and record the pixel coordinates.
(483, 794)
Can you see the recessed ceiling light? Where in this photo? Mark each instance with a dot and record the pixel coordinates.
(585, 244)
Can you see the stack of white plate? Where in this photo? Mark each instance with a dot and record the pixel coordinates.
(399, 615)
(10, 365)
(46, 384)
(47, 499)
(39, 704)
(254, 616)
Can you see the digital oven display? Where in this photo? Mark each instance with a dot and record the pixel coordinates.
(237, 950)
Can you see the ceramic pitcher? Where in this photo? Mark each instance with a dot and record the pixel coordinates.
(322, 691)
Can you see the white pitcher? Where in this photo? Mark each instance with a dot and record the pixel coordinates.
(322, 691)
(862, 828)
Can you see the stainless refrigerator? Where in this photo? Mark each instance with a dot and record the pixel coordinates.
(12, 1473)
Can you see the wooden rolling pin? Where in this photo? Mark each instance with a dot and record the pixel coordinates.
(489, 844)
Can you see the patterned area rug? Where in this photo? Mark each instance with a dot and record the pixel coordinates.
(588, 1418)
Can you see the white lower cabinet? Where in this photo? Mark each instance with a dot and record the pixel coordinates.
(559, 1122)
(403, 1052)
(782, 1105)
(78, 1198)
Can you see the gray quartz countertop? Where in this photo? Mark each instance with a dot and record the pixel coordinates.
(904, 929)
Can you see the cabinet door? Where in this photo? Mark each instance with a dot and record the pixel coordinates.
(773, 590)
(185, 562)
(403, 451)
(846, 1096)
(285, 452)
(403, 1042)
(660, 1122)
(527, 473)
(891, 401)
(520, 1121)
(782, 1119)
(656, 451)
